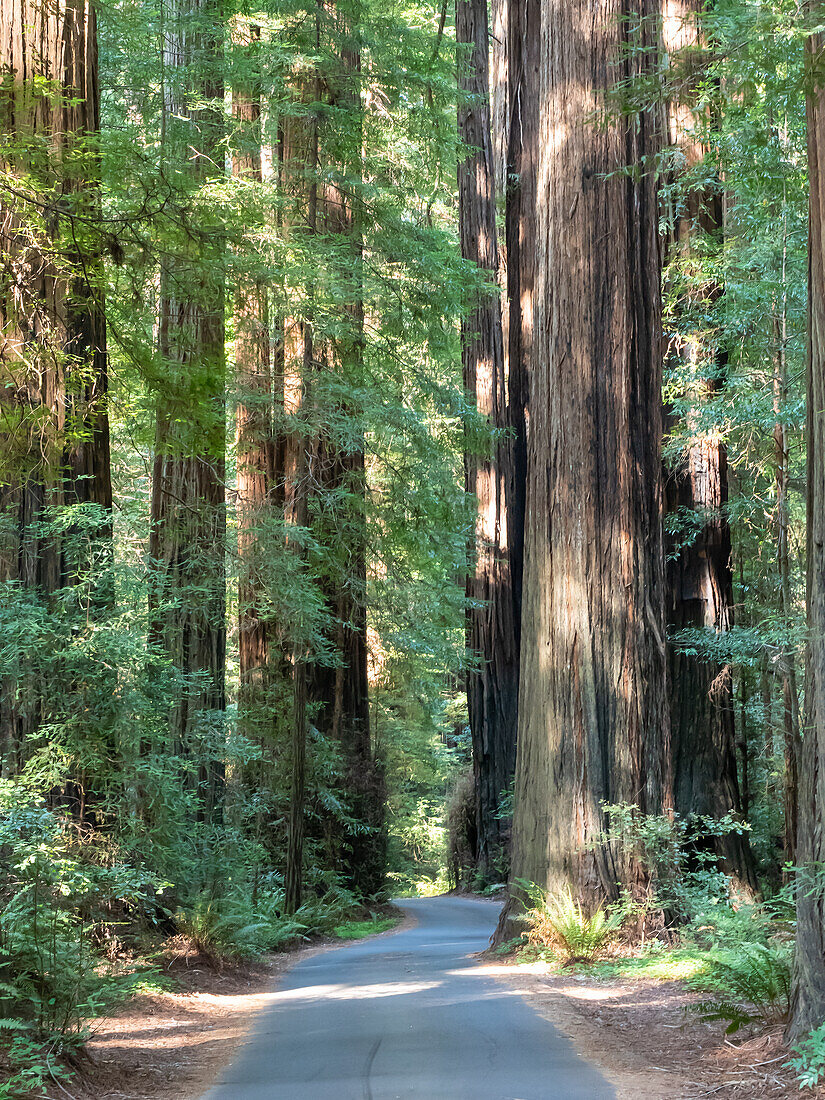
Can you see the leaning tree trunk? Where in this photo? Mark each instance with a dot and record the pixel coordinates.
(808, 992)
(593, 721)
(54, 432)
(492, 681)
(699, 576)
(188, 518)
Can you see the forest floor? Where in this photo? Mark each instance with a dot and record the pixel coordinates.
(638, 1032)
(171, 1044)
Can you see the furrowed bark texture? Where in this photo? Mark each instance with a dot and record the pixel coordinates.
(188, 517)
(593, 721)
(257, 465)
(523, 54)
(808, 992)
(699, 577)
(53, 416)
(492, 684)
(700, 595)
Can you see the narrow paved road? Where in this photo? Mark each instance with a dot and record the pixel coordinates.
(409, 1014)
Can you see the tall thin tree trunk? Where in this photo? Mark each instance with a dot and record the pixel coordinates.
(188, 516)
(256, 463)
(790, 696)
(492, 682)
(523, 45)
(699, 574)
(593, 716)
(808, 991)
(53, 374)
(299, 144)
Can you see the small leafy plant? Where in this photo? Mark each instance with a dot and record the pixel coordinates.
(560, 923)
(754, 984)
(809, 1064)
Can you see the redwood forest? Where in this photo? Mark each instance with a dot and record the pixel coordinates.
(412, 482)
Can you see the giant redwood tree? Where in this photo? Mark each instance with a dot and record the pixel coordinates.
(593, 721)
(808, 993)
(259, 444)
(492, 636)
(53, 373)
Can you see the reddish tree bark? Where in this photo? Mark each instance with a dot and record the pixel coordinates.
(259, 479)
(492, 640)
(808, 992)
(593, 718)
(53, 374)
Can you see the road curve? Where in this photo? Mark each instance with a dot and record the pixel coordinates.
(409, 1014)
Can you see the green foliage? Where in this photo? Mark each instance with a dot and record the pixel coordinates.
(360, 929)
(235, 927)
(559, 923)
(754, 984)
(674, 850)
(809, 1063)
(63, 896)
(426, 749)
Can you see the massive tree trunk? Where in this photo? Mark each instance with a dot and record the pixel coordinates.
(808, 994)
(188, 518)
(54, 427)
(492, 681)
(699, 576)
(593, 721)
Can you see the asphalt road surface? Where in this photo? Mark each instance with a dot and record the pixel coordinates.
(407, 1014)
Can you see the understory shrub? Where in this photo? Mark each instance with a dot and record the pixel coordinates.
(558, 923)
(809, 1063)
(754, 984)
(235, 925)
(62, 890)
(675, 850)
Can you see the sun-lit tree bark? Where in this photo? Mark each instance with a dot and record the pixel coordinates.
(492, 681)
(699, 576)
(593, 720)
(258, 476)
(808, 992)
(53, 377)
(188, 517)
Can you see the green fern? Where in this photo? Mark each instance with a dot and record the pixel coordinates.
(560, 923)
(755, 983)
